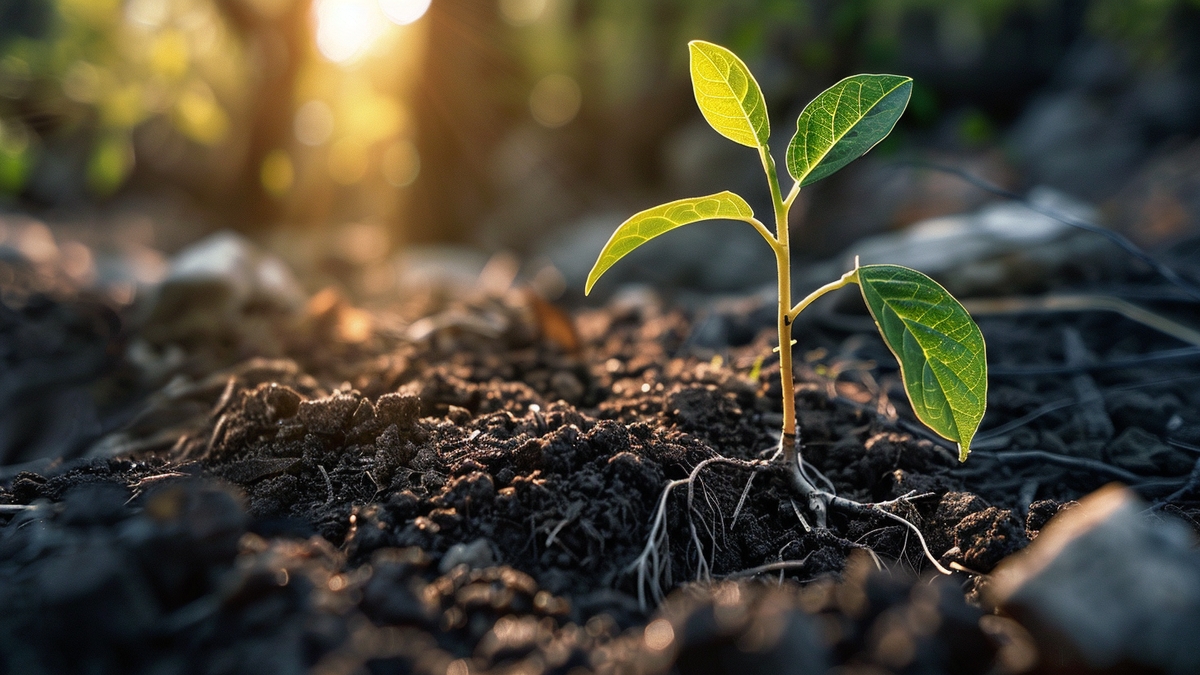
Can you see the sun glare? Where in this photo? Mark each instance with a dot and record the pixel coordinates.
(404, 12)
(346, 28)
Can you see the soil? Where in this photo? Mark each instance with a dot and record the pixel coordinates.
(466, 487)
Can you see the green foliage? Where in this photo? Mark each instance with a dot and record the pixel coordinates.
(728, 95)
(87, 73)
(940, 349)
(648, 224)
(844, 122)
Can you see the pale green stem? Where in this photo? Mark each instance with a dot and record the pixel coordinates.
(848, 278)
(791, 197)
(783, 262)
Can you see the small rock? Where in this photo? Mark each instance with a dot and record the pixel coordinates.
(734, 628)
(1040, 513)
(1106, 588)
(1005, 247)
(1142, 452)
(213, 285)
(475, 555)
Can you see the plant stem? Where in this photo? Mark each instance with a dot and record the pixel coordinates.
(818, 501)
(783, 264)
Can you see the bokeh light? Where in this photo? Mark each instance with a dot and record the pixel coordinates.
(198, 115)
(404, 12)
(519, 13)
(555, 100)
(277, 173)
(314, 123)
(347, 162)
(149, 13)
(401, 164)
(346, 29)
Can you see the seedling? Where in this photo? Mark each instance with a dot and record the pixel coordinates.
(938, 345)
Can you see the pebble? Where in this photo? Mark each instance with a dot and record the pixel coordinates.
(1003, 247)
(475, 555)
(213, 284)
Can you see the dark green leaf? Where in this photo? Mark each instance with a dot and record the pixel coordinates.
(844, 122)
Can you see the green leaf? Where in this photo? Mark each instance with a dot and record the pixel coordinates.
(644, 226)
(728, 95)
(939, 347)
(844, 122)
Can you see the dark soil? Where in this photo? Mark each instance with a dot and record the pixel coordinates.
(470, 496)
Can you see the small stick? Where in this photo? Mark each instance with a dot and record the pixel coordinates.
(769, 567)
(328, 483)
(1063, 460)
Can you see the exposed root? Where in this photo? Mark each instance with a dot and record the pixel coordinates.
(653, 566)
(742, 501)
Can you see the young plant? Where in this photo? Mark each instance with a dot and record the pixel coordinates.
(939, 347)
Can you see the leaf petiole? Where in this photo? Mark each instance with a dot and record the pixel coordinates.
(791, 197)
(762, 229)
(848, 278)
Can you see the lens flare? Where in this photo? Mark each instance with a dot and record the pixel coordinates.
(346, 29)
(404, 12)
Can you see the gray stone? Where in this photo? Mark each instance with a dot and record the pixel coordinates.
(1003, 247)
(456, 267)
(475, 555)
(213, 283)
(1107, 587)
(721, 256)
(1075, 142)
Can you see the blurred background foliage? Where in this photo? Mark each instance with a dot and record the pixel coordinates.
(494, 122)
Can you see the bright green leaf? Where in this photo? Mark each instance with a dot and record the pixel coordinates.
(728, 95)
(940, 349)
(844, 122)
(650, 223)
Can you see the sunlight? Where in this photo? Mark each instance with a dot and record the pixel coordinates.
(404, 12)
(346, 28)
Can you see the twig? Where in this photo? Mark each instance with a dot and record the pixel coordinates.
(1084, 303)
(1021, 421)
(1062, 460)
(1192, 483)
(800, 516)
(1181, 354)
(1115, 237)
(769, 567)
(328, 484)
